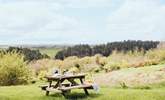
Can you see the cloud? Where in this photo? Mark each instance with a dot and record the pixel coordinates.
(77, 21)
(138, 19)
(72, 3)
(23, 17)
(28, 17)
(88, 3)
(23, 21)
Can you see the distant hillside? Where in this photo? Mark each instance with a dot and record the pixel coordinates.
(35, 46)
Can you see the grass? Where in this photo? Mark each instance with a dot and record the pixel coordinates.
(132, 76)
(49, 51)
(33, 92)
(144, 92)
(146, 69)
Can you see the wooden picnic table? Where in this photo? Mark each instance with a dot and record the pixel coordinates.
(62, 87)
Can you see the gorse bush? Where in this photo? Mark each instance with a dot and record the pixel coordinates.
(158, 54)
(118, 60)
(13, 69)
(112, 66)
(44, 66)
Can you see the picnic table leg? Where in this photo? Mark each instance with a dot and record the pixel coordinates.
(85, 90)
(47, 92)
(64, 93)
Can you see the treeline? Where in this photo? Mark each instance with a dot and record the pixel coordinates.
(106, 49)
(29, 55)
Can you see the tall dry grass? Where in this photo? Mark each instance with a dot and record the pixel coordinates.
(97, 63)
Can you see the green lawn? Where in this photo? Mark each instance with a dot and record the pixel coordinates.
(33, 92)
(145, 92)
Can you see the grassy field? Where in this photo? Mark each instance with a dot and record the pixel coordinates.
(49, 51)
(133, 76)
(33, 92)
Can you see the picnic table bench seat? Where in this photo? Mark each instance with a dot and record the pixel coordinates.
(88, 86)
(53, 90)
(43, 87)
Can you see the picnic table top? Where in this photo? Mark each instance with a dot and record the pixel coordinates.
(59, 77)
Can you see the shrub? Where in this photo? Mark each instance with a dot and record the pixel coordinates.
(91, 68)
(158, 54)
(41, 67)
(70, 62)
(146, 87)
(96, 70)
(74, 70)
(103, 61)
(111, 66)
(13, 69)
(42, 74)
(134, 59)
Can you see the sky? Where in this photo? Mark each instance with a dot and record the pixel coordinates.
(80, 21)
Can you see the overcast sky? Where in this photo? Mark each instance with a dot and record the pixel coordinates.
(80, 21)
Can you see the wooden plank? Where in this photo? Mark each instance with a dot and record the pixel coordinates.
(43, 87)
(53, 90)
(76, 87)
(65, 77)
